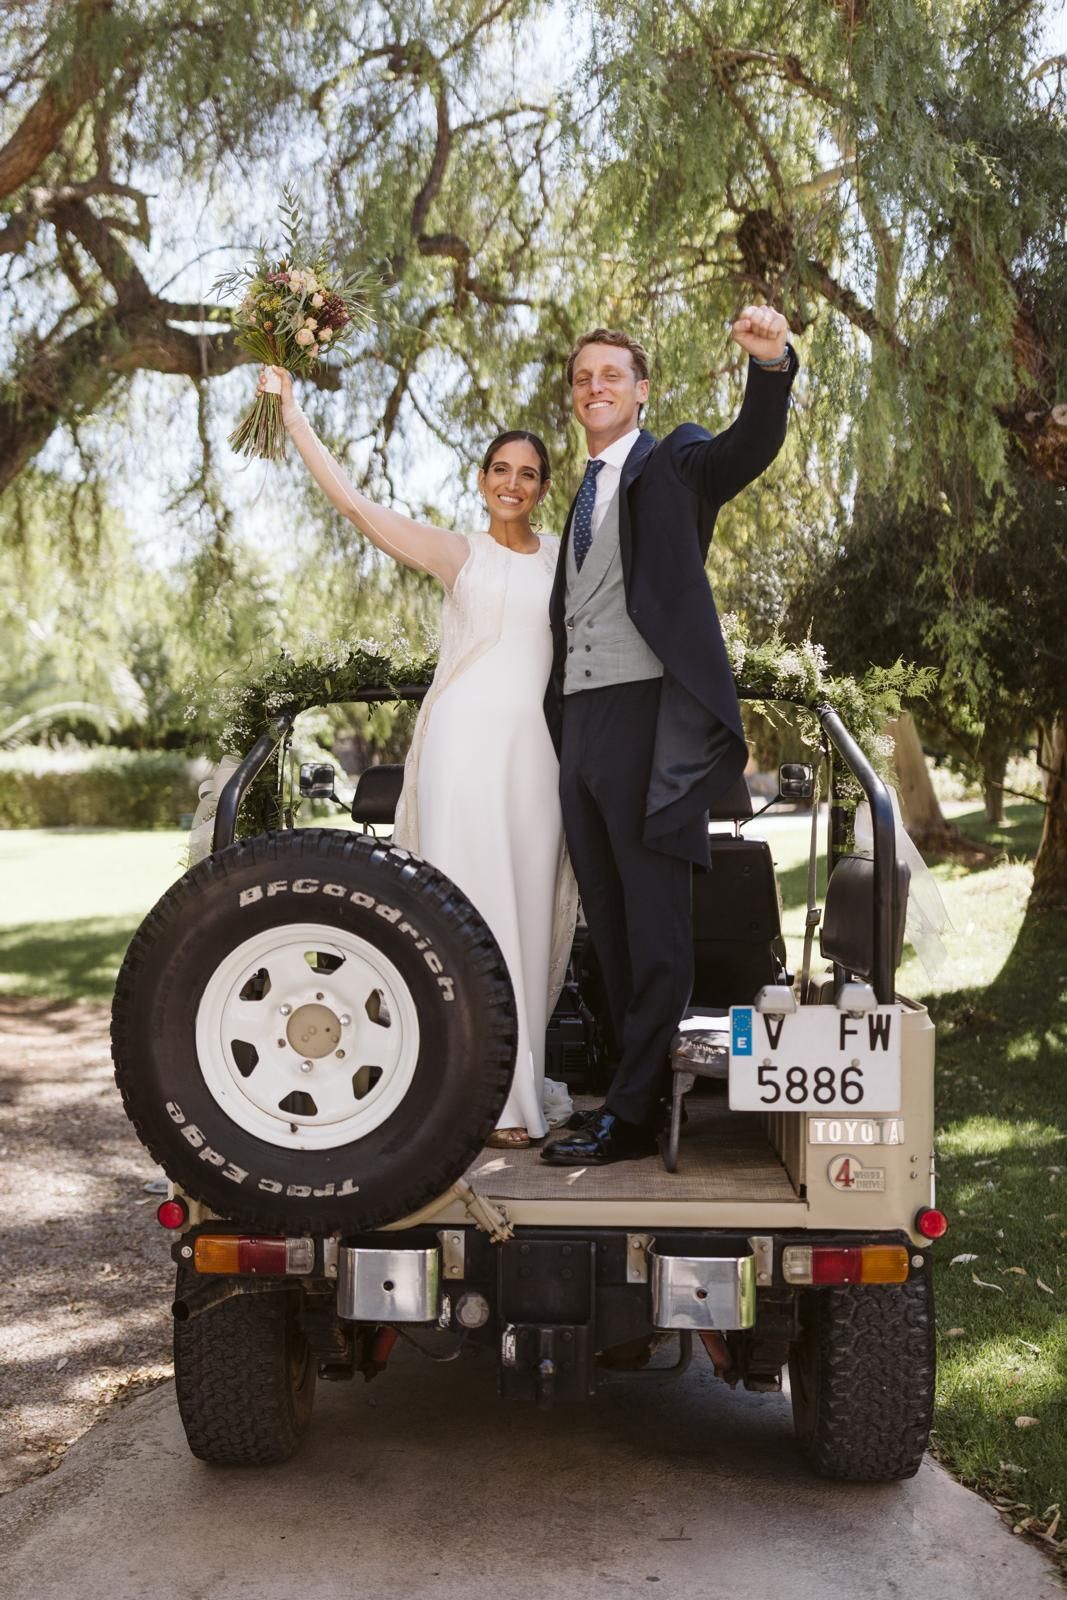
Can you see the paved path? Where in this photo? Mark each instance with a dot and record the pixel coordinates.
(422, 1484)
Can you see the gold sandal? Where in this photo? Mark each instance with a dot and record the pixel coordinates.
(508, 1139)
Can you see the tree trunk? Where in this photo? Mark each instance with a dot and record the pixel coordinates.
(930, 830)
(919, 805)
(1050, 868)
(994, 768)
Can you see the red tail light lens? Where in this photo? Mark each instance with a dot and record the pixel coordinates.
(931, 1224)
(172, 1214)
(836, 1266)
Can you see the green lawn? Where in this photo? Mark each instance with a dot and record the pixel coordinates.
(74, 898)
(71, 901)
(1001, 1015)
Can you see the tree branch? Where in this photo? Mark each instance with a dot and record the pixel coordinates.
(1050, 64)
(788, 67)
(851, 306)
(44, 124)
(93, 234)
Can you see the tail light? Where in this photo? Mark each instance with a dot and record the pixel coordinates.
(237, 1253)
(867, 1263)
(931, 1223)
(172, 1214)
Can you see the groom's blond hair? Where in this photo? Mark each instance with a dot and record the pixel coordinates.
(615, 336)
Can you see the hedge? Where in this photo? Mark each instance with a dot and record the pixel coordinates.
(97, 786)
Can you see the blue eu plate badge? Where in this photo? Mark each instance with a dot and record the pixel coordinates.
(741, 1025)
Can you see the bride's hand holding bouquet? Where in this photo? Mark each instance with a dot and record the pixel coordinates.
(295, 310)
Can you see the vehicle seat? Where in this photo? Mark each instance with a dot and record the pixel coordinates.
(377, 793)
(737, 930)
(847, 933)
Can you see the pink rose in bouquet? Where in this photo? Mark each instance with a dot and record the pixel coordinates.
(296, 308)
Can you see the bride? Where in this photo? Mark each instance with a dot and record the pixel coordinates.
(481, 782)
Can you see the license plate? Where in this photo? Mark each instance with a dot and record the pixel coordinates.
(815, 1059)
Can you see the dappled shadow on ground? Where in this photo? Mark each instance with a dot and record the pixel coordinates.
(86, 1281)
(80, 957)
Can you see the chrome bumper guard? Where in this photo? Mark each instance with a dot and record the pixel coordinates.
(702, 1292)
(388, 1285)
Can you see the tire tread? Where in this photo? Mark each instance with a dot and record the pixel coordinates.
(234, 1391)
(872, 1358)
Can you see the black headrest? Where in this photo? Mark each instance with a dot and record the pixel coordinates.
(734, 803)
(847, 933)
(377, 792)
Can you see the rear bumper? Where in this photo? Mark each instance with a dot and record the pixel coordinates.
(560, 1305)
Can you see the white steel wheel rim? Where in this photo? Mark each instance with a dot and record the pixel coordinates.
(274, 1062)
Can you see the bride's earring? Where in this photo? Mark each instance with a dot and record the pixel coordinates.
(535, 527)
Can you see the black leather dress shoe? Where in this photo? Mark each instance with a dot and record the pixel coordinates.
(582, 1119)
(606, 1138)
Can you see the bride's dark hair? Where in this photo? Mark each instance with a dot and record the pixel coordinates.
(509, 438)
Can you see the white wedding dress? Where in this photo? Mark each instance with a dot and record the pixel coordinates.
(488, 801)
(481, 781)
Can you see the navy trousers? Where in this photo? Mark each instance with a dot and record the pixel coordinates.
(637, 901)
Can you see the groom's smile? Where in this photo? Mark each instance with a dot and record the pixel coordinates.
(606, 394)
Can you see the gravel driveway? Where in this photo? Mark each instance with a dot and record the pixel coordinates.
(85, 1277)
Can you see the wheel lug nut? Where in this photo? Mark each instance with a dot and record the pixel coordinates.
(305, 1066)
(344, 1019)
(285, 1010)
(340, 1055)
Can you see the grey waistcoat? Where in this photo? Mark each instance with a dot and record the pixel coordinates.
(603, 646)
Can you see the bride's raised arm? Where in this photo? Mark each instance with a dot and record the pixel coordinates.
(415, 544)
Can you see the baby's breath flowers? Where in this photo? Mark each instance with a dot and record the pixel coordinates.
(294, 310)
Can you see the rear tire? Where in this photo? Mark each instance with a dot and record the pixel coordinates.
(862, 1379)
(245, 1378)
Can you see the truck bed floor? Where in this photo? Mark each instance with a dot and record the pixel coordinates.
(724, 1155)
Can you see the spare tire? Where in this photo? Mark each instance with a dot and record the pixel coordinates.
(313, 1031)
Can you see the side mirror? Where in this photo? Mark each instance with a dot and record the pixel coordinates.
(796, 781)
(316, 780)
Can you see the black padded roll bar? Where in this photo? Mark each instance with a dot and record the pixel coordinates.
(885, 851)
(250, 768)
(230, 799)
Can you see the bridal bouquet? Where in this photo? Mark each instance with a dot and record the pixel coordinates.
(295, 309)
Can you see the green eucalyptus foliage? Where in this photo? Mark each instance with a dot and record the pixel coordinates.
(337, 672)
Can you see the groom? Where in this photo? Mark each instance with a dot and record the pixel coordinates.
(641, 702)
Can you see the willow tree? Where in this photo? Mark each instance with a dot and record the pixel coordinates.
(891, 173)
(413, 143)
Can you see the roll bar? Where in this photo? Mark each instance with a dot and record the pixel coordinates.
(885, 850)
(884, 908)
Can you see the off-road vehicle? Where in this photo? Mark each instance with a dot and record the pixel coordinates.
(314, 1033)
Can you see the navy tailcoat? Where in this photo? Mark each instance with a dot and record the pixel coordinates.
(669, 497)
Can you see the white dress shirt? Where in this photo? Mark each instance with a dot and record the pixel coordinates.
(614, 459)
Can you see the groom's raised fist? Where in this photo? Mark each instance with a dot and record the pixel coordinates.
(762, 332)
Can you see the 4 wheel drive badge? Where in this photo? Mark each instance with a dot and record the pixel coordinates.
(852, 1177)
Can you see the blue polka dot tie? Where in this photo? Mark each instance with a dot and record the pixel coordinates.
(582, 526)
